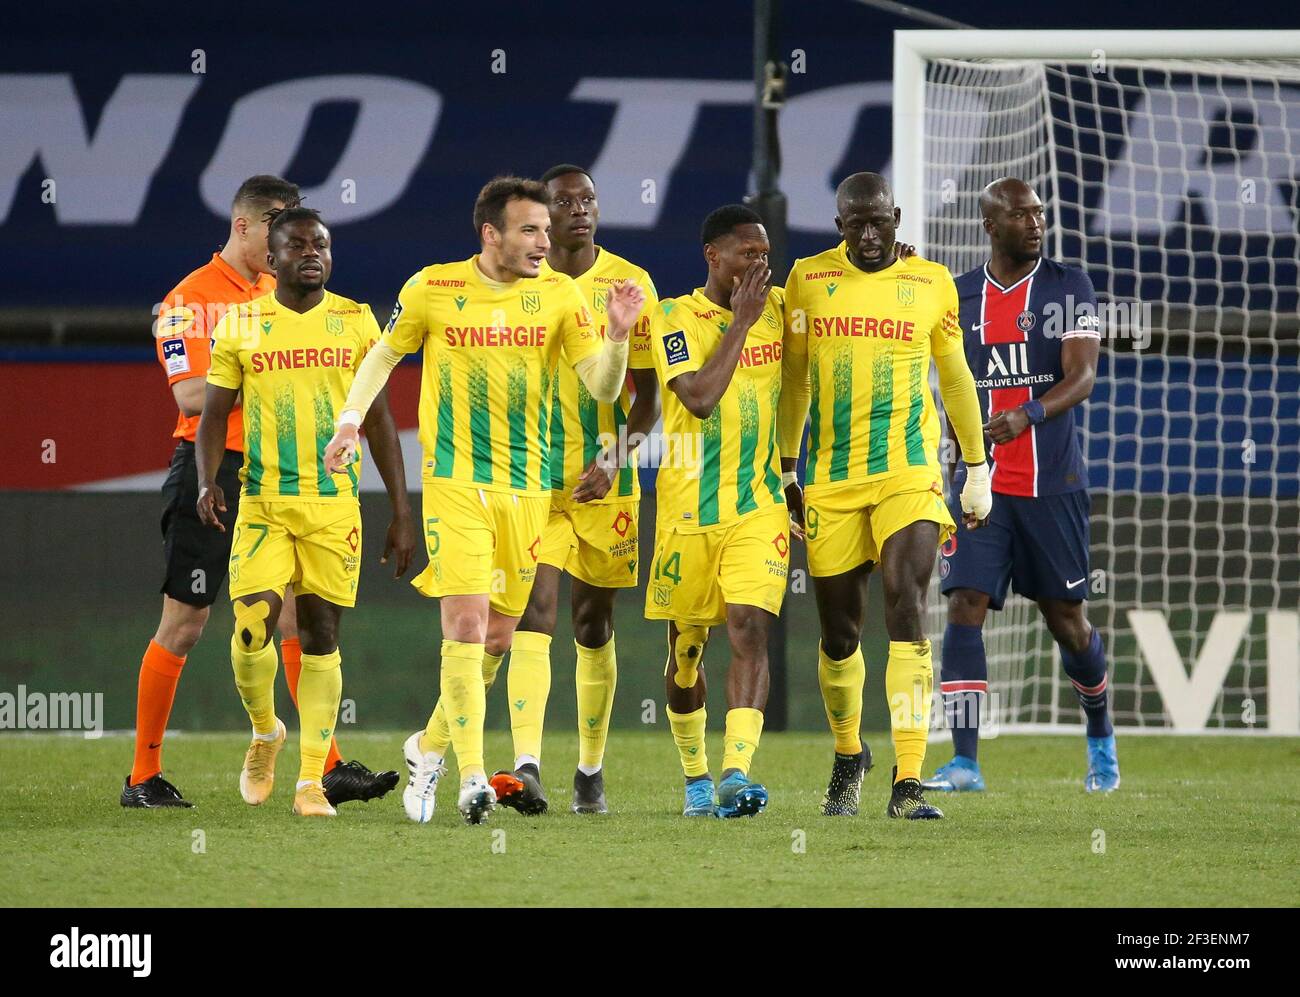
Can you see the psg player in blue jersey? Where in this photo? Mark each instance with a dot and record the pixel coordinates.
(1032, 338)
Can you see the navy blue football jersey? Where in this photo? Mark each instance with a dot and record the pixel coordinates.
(1013, 338)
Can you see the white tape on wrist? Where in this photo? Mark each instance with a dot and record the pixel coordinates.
(349, 417)
(789, 478)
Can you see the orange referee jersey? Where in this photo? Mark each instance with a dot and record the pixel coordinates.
(182, 333)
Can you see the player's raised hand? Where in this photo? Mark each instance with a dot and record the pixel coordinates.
(399, 543)
(596, 479)
(749, 296)
(1006, 425)
(212, 500)
(905, 250)
(341, 451)
(976, 496)
(624, 304)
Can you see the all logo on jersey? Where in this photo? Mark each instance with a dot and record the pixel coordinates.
(1015, 362)
(460, 300)
(831, 288)
(675, 347)
(600, 298)
(1025, 320)
(906, 294)
(531, 301)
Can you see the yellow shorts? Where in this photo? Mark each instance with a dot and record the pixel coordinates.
(595, 543)
(481, 542)
(316, 546)
(695, 576)
(847, 523)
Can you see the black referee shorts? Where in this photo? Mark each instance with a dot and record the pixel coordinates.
(197, 556)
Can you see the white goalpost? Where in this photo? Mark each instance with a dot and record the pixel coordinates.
(1169, 163)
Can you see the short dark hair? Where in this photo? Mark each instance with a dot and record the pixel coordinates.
(722, 220)
(564, 169)
(490, 207)
(262, 192)
(297, 213)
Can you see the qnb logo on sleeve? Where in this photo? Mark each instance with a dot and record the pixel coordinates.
(101, 951)
(675, 347)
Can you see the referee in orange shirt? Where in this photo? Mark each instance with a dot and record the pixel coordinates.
(197, 558)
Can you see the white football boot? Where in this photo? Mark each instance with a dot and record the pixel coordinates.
(424, 770)
(477, 799)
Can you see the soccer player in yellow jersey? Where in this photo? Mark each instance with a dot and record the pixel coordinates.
(722, 539)
(492, 339)
(862, 326)
(293, 354)
(595, 506)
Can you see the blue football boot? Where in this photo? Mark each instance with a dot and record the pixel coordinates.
(1103, 765)
(738, 797)
(961, 775)
(699, 798)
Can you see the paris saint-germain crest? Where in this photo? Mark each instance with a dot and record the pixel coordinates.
(1025, 320)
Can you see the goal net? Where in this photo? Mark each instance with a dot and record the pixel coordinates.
(1170, 168)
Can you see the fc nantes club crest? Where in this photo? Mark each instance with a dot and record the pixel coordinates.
(334, 325)
(599, 298)
(906, 294)
(531, 301)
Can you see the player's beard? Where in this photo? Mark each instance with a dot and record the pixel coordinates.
(517, 264)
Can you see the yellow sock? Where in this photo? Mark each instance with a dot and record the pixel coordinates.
(688, 732)
(597, 676)
(909, 682)
(437, 732)
(744, 728)
(255, 680)
(842, 683)
(319, 689)
(528, 683)
(464, 700)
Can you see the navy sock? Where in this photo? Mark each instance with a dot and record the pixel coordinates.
(1087, 672)
(963, 680)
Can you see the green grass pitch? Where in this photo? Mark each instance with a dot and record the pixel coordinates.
(1197, 821)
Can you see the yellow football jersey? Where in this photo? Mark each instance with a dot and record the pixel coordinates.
(580, 425)
(867, 340)
(490, 352)
(715, 471)
(295, 370)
